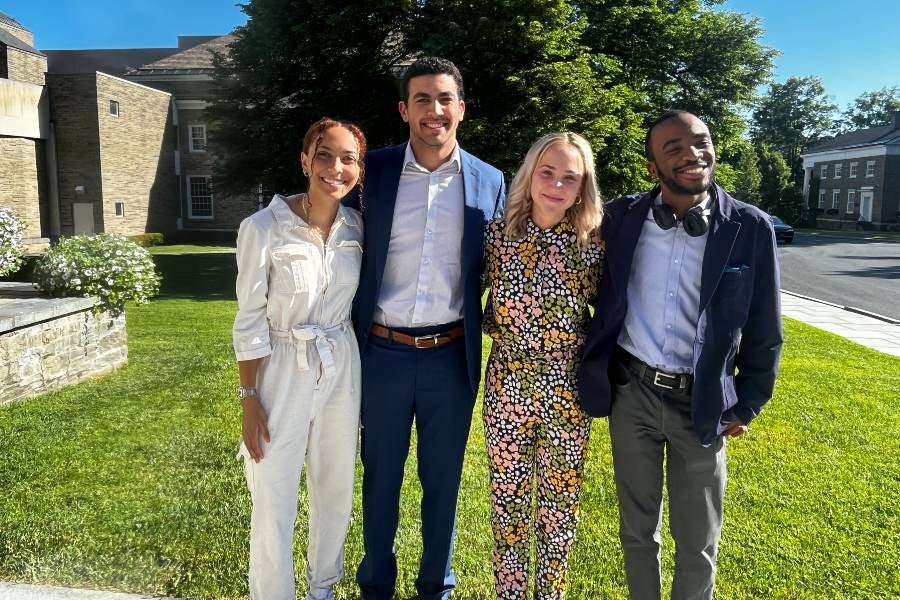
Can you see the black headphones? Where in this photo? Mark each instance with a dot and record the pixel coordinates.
(695, 220)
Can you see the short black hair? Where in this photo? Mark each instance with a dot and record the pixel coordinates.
(669, 114)
(431, 65)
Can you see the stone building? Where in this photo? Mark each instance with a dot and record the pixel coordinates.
(109, 140)
(859, 178)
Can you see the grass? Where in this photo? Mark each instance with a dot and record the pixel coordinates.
(129, 482)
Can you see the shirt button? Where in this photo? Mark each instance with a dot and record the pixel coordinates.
(428, 231)
(676, 261)
(671, 294)
(668, 326)
(426, 261)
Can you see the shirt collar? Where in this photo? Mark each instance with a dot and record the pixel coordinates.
(410, 165)
(287, 219)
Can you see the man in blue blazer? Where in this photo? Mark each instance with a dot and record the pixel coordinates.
(417, 316)
(682, 352)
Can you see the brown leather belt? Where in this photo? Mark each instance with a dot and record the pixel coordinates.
(432, 340)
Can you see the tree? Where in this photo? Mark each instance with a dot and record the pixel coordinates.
(683, 55)
(871, 109)
(780, 196)
(738, 171)
(791, 117)
(603, 68)
(293, 62)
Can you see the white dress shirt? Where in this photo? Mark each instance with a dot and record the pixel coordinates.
(422, 283)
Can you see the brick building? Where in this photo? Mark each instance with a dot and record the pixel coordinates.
(109, 140)
(859, 178)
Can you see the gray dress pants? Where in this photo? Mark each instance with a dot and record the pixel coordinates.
(650, 427)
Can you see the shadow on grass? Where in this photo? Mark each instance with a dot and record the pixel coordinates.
(197, 276)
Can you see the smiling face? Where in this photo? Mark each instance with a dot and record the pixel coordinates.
(555, 184)
(682, 156)
(433, 110)
(332, 164)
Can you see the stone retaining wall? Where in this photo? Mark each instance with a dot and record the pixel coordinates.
(48, 343)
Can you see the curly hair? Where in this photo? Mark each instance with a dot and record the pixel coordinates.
(585, 215)
(316, 132)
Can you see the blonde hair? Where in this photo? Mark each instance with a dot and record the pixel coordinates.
(584, 215)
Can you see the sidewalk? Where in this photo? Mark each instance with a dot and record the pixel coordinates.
(868, 329)
(21, 591)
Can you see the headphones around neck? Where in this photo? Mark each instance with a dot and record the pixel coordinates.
(695, 220)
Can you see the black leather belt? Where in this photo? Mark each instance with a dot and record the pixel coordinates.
(671, 382)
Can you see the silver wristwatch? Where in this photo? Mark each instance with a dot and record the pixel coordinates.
(245, 392)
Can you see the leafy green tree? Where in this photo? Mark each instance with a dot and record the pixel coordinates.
(738, 171)
(683, 55)
(791, 117)
(871, 109)
(293, 62)
(780, 196)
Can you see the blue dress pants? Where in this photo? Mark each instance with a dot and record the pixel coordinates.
(402, 384)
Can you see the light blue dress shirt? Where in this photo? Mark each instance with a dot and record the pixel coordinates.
(664, 296)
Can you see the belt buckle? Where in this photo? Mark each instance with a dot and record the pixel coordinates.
(658, 383)
(433, 337)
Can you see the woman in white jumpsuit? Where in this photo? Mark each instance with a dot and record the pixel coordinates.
(298, 268)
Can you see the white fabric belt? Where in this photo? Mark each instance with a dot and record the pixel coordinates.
(324, 343)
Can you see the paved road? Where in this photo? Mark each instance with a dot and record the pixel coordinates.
(850, 272)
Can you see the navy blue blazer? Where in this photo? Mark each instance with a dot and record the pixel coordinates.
(485, 193)
(739, 333)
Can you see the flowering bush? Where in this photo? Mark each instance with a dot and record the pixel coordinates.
(107, 266)
(12, 232)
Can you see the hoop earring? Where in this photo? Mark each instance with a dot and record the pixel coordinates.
(577, 200)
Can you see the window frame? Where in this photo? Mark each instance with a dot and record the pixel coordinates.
(835, 199)
(116, 211)
(191, 146)
(822, 199)
(870, 168)
(190, 198)
(823, 172)
(114, 104)
(851, 202)
(854, 167)
(838, 167)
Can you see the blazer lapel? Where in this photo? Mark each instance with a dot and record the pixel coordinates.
(382, 207)
(722, 235)
(623, 240)
(473, 216)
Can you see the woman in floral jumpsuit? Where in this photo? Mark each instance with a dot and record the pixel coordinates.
(543, 264)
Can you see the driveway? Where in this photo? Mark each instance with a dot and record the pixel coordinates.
(850, 272)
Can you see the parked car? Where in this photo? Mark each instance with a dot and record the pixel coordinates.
(783, 231)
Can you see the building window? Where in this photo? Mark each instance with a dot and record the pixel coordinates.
(120, 209)
(824, 171)
(837, 170)
(821, 198)
(853, 166)
(835, 198)
(197, 142)
(114, 108)
(851, 201)
(870, 168)
(200, 200)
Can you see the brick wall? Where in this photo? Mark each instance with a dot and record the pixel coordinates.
(21, 177)
(24, 66)
(25, 36)
(73, 104)
(137, 157)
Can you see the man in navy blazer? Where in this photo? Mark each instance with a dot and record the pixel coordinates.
(417, 315)
(682, 352)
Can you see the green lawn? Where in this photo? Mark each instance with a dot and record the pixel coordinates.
(129, 482)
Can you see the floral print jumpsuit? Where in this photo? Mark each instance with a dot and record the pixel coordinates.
(536, 433)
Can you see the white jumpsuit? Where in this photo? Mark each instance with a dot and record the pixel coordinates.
(294, 296)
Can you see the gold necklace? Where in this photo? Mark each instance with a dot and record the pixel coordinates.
(305, 208)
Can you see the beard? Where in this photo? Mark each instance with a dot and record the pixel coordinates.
(689, 190)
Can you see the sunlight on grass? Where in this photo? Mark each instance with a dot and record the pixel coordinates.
(129, 482)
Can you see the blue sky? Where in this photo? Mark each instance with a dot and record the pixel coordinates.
(852, 46)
